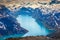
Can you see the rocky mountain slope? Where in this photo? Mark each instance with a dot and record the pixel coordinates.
(8, 24)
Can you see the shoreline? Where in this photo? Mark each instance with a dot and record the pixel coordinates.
(33, 38)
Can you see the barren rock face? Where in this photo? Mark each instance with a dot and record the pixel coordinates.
(18, 3)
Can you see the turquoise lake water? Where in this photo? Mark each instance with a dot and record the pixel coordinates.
(32, 26)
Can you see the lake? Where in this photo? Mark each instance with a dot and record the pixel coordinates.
(32, 26)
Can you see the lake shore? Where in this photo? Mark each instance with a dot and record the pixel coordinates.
(33, 38)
